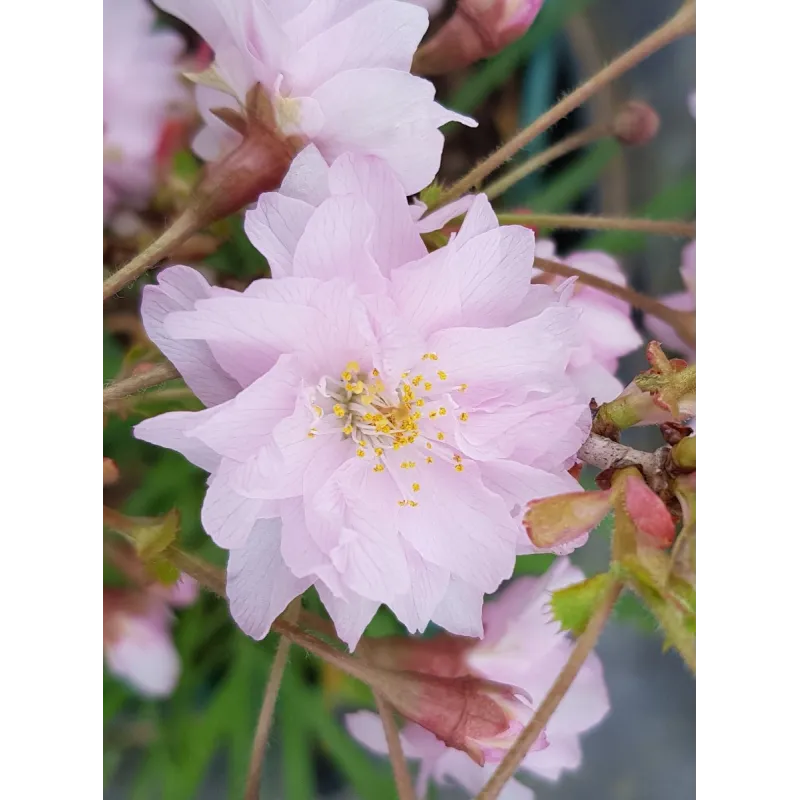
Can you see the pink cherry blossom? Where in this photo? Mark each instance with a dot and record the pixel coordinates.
(136, 636)
(378, 416)
(682, 301)
(606, 326)
(524, 647)
(140, 86)
(337, 74)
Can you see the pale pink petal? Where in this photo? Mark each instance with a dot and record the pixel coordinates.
(244, 424)
(461, 527)
(172, 430)
(593, 380)
(382, 34)
(665, 333)
(275, 226)
(385, 113)
(260, 585)
(439, 218)
(183, 592)
(394, 240)
(428, 585)
(350, 613)
(367, 729)
(229, 517)
(319, 15)
(178, 290)
(334, 244)
(563, 754)
(307, 178)
(459, 610)
(518, 484)
(480, 218)
(144, 655)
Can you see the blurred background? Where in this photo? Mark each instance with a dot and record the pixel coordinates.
(196, 743)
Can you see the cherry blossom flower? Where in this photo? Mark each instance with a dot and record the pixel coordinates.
(378, 416)
(605, 322)
(682, 301)
(136, 636)
(524, 647)
(140, 87)
(335, 73)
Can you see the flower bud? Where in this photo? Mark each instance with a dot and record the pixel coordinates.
(478, 29)
(110, 472)
(482, 718)
(442, 655)
(565, 519)
(636, 123)
(651, 518)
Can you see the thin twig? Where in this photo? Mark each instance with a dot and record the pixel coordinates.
(264, 724)
(681, 24)
(647, 304)
(566, 145)
(591, 223)
(604, 454)
(177, 233)
(160, 373)
(583, 647)
(402, 778)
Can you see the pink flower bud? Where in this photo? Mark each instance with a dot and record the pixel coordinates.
(553, 522)
(478, 29)
(636, 123)
(442, 655)
(653, 522)
(482, 718)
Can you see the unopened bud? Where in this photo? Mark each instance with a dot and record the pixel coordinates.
(478, 29)
(442, 655)
(563, 522)
(110, 472)
(636, 123)
(482, 718)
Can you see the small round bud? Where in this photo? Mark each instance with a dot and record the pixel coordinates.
(636, 123)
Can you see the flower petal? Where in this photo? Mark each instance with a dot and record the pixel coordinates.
(260, 585)
(350, 613)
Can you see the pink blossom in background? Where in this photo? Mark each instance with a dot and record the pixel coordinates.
(682, 301)
(378, 416)
(693, 103)
(433, 7)
(337, 74)
(605, 323)
(136, 635)
(526, 648)
(140, 87)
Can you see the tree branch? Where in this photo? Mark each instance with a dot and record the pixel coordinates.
(160, 373)
(585, 644)
(679, 25)
(402, 779)
(604, 453)
(591, 223)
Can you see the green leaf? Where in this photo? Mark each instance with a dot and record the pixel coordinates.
(497, 70)
(536, 564)
(573, 606)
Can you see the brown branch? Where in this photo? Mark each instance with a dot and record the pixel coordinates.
(177, 233)
(591, 223)
(402, 778)
(566, 145)
(264, 724)
(604, 454)
(583, 647)
(160, 373)
(681, 24)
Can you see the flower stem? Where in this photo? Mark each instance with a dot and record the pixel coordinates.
(566, 145)
(681, 24)
(402, 778)
(647, 304)
(177, 233)
(591, 223)
(604, 453)
(118, 390)
(264, 724)
(583, 647)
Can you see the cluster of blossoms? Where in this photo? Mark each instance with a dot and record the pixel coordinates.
(378, 415)
(523, 647)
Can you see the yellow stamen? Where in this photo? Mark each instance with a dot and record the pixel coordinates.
(429, 459)
(429, 445)
(375, 373)
(339, 410)
(428, 386)
(442, 411)
(440, 436)
(414, 487)
(463, 416)
(347, 430)
(463, 387)
(378, 468)
(459, 467)
(378, 451)
(442, 375)
(360, 453)
(413, 503)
